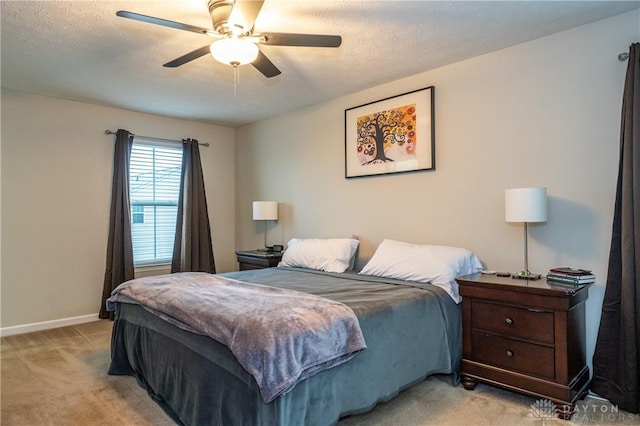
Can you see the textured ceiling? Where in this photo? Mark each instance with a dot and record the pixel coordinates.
(81, 50)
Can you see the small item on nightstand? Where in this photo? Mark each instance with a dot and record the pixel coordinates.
(566, 275)
(488, 272)
(503, 274)
(526, 275)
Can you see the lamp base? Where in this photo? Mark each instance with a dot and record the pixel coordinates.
(527, 276)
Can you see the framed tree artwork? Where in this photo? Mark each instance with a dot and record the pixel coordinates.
(392, 135)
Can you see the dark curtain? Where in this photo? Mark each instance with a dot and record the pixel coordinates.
(616, 364)
(192, 249)
(119, 266)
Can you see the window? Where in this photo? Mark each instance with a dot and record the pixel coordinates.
(154, 188)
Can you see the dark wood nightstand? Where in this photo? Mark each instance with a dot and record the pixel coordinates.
(526, 336)
(255, 259)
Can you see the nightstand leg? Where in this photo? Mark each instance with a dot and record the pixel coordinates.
(469, 383)
(565, 411)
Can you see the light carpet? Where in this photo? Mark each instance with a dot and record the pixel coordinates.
(59, 377)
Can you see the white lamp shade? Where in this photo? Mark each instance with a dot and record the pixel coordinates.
(234, 51)
(525, 205)
(265, 210)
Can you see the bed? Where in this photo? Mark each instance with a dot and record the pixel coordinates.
(411, 329)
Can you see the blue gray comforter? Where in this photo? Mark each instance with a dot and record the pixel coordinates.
(279, 336)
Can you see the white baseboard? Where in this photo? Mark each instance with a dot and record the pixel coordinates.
(46, 325)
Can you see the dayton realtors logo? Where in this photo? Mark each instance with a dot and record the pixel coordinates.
(543, 409)
(584, 412)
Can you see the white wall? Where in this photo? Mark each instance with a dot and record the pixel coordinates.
(56, 188)
(544, 113)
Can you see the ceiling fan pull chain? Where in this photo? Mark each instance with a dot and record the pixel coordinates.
(236, 77)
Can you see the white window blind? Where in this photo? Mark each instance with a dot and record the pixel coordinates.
(154, 188)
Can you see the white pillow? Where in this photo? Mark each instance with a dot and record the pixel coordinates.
(438, 265)
(324, 254)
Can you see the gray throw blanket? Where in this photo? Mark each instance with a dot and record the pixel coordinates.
(279, 336)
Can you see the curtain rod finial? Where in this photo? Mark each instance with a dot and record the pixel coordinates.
(623, 56)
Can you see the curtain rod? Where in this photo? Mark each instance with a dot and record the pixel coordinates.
(111, 132)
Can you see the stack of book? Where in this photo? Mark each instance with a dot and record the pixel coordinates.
(566, 275)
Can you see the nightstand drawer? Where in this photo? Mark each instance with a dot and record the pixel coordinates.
(513, 354)
(527, 324)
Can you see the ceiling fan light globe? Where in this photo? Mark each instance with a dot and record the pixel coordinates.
(234, 51)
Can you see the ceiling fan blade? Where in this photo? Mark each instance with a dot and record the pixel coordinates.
(265, 66)
(163, 22)
(245, 12)
(308, 40)
(188, 57)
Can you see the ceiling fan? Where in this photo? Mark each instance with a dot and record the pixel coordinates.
(237, 43)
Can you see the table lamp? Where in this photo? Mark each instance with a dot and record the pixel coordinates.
(527, 205)
(265, 210)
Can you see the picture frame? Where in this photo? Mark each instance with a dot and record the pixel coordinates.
(391, 135)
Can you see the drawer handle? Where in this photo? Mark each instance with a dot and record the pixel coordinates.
(510, 354)
(508, 321)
